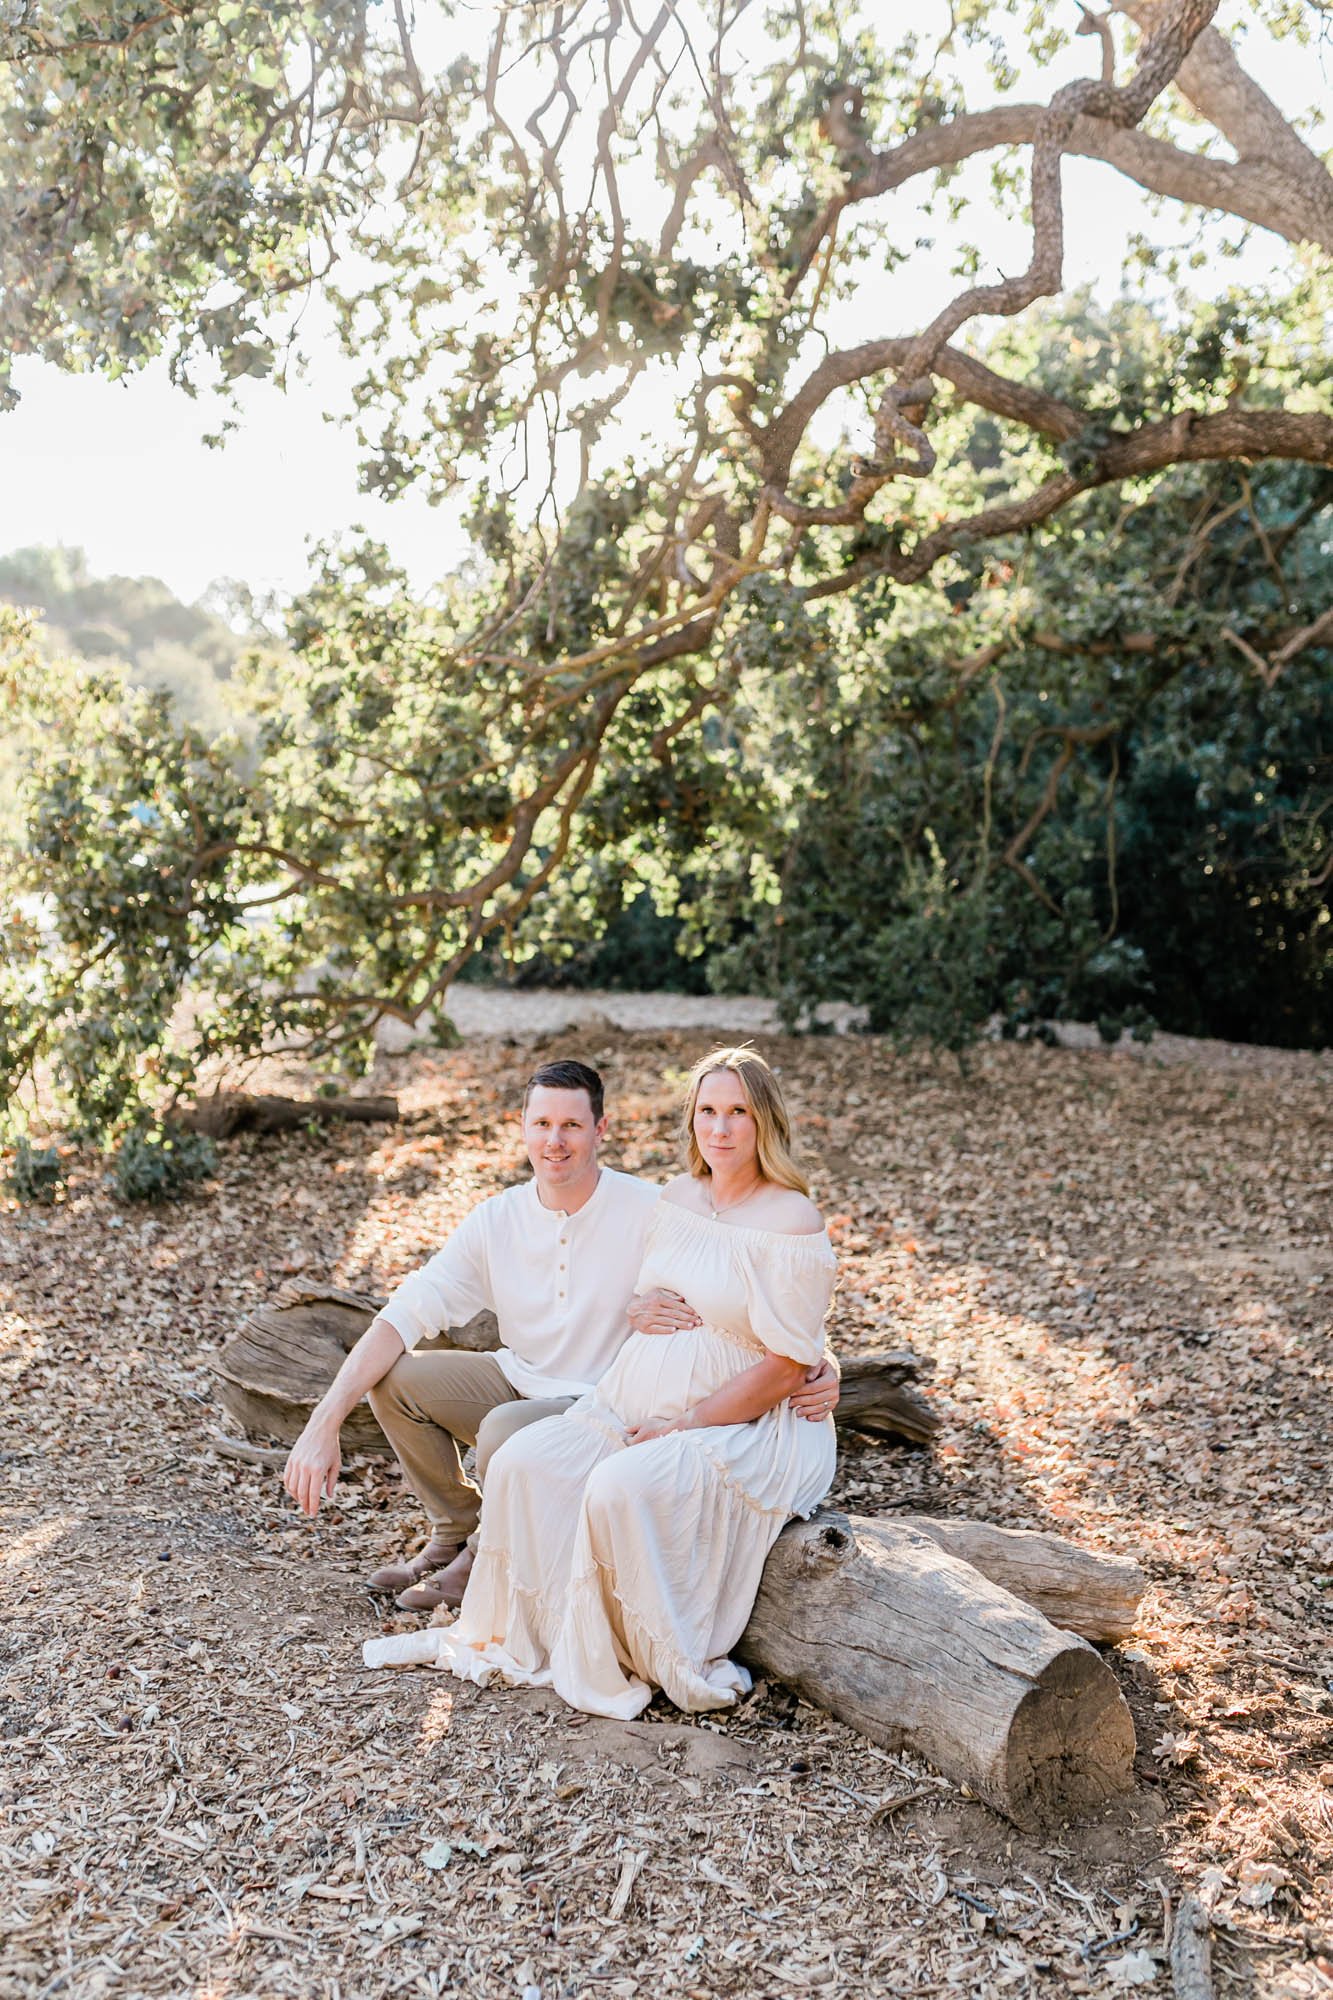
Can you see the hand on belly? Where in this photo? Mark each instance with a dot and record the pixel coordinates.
(657, 1377)
(656, 1427)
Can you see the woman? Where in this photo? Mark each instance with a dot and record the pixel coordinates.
(622, 1543)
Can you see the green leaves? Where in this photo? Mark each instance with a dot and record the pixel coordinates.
(147, 157)
(161, 1163)
(1071, 796)
(587, 286)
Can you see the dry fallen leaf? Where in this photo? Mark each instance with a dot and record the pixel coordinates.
(1181, 1749)
(1259, 1882)
(1132, 1968)
(1111, 1261)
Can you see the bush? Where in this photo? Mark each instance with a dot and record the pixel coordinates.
(36, 1174)
(1117, 821)
(159, 1165)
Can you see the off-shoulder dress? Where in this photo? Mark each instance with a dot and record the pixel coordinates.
(605, 1571)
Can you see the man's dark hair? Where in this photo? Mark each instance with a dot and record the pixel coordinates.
(568, 1076)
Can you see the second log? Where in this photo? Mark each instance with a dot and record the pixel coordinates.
(877, 1624)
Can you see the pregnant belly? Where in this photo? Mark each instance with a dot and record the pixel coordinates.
(665, 1374)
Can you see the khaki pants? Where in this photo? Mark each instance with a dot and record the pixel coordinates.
(429, 1404)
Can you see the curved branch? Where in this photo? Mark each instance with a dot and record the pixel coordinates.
(973, 380)
(1300, 210)
(1123, 107)
(1267, 144)
(1186, 439)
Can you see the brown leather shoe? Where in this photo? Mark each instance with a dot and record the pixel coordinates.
(400, 1576)
(445, 1586)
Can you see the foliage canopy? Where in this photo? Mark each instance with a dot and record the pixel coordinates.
(615, 289)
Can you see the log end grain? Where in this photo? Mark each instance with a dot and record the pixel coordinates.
(1071, 1743)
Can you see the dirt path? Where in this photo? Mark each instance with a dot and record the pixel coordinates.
(1120, 1268)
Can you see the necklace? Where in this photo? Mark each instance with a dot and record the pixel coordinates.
(717, 1212)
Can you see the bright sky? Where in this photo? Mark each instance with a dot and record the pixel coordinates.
(119, 469)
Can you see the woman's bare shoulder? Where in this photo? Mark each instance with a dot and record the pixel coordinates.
(791, 1213)
(682, 1191)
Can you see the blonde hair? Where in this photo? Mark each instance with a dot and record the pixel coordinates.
(763, 1096)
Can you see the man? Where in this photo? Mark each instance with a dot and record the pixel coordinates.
(555, 1259)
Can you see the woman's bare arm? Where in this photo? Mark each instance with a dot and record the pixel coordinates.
(750, 1394)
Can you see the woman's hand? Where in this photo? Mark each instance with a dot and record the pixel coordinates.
(818, 1395)
(661, 1312)
(656, 1427)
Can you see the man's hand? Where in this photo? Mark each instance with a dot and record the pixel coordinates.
(661, 1312)
(817, 1398)
(312, 1467)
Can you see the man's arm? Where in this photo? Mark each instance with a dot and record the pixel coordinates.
(315, 1460)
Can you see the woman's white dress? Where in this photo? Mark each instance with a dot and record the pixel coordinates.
(605, 1570)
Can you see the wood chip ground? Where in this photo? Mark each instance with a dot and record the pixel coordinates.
(1121, 1267)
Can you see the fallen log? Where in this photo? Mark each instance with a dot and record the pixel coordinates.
(876, 1623)
(913, 1630)
(880, 1397)
(229, 1111)
(1081, 1590)
(274, 1371)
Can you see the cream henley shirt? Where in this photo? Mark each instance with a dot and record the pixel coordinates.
(558, 1284)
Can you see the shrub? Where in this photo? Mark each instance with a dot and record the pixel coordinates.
(158, 1165)
(36, 1173)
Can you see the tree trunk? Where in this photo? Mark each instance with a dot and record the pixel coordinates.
(228, 1111)
(877, 1624)
(1080, 1590)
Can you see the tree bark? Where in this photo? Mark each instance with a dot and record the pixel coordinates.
(228, 1111)
(1191, 1952)
(1212, 80)
(1293, 199)
(879, 1397)
(875, 1623)
(1095, 1595)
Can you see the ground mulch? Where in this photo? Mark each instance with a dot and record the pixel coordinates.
(1118, 1267)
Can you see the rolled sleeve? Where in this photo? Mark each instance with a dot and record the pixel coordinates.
(448, 1291)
